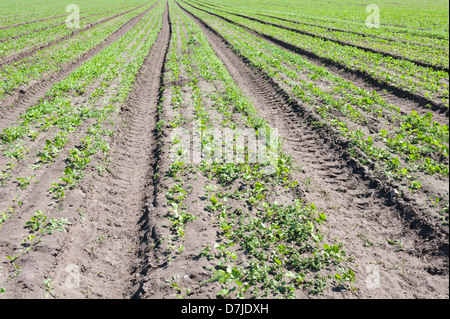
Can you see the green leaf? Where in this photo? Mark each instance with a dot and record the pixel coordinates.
(223, 292)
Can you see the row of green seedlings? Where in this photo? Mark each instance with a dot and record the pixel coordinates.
(57, 104)
(36, 27)
(277, 62)
(39, 226)
(176, 195)
(51, 60)
(285, 240)
(92, 143)
(254, 49)
(56, 109)
(293, 65)
(53, 33)
(431, 137)
(418, 143)
(429, 83)
(411, 35)
(27, 16)
(429, 141)
(432, 55)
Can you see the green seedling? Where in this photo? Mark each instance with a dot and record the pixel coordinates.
(24, 182)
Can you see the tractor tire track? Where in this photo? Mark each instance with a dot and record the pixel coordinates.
(338, 178)
(104, 241)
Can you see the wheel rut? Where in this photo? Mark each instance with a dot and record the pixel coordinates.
(120, 200)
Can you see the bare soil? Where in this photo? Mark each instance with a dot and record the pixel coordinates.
(119, 217)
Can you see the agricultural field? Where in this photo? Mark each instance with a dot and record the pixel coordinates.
(192, 149)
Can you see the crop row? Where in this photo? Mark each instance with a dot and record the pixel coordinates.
(436, 57)
(15, 32)
(405, 37)
(27, 17)
(52, 59)
(405, 26)
(427, 82)
(282, 258)
(52, 33)
(105, 81)
(407, 147)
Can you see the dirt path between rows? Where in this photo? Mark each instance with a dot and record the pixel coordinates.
(359, 215)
